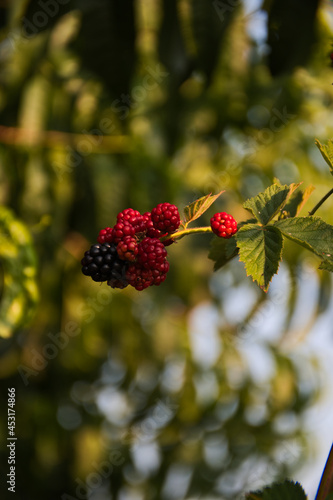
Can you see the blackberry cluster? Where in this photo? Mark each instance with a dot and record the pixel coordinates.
(130, 252)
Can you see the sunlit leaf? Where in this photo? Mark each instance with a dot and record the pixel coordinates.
(260, 249)
(266, 205)
(296, 202)
(195, 209)
(326, 152)
(310, 232)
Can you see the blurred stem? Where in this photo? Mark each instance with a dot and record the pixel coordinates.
(55, 139)
(319, 204)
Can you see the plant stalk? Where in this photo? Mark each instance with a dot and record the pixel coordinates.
(319, 204)
(194, 230)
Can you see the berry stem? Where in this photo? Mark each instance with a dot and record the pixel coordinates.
(179, 234)
(319, 204)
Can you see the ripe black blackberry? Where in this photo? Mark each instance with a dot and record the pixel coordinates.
(102, 263)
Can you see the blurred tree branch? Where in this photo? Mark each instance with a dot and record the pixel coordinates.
(51, 138)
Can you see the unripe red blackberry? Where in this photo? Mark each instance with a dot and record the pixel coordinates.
(127, 248)
(165, 217)
(150, 267)
(223, 225)
(133, 217)
(149, 226)
(122, 229)
(101, 263)
(151, 253)
(139, 277)
(105, 235)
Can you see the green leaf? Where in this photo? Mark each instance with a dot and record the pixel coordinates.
(326, 152)
(17, 256)
(195, 209)
(260, 249)
(325, 488)
(288, 490)
(266, 205)
(222, 251)
(296, 202)
(310, 232)
(327, 265)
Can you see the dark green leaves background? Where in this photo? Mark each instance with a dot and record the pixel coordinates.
(112, 104)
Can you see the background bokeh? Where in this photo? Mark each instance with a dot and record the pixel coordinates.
(204, 387)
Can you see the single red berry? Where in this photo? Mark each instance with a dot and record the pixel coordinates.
(223, 225)
(165, 217)
(122, 229)
(127, 248)
(105, 235)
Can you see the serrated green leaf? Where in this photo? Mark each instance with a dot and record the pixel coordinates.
(296, 202)
(326, 152)
(325, 488)
(260, 249)
(266, 205)
(310, 232)
(222, 251)
(288, 490)
(195, 209)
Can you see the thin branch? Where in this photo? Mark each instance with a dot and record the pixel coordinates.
(319, 204)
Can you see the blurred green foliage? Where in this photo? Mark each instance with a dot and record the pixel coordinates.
(172, 392)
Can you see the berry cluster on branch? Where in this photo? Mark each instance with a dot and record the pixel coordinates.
(130, 252)
(133, 252)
